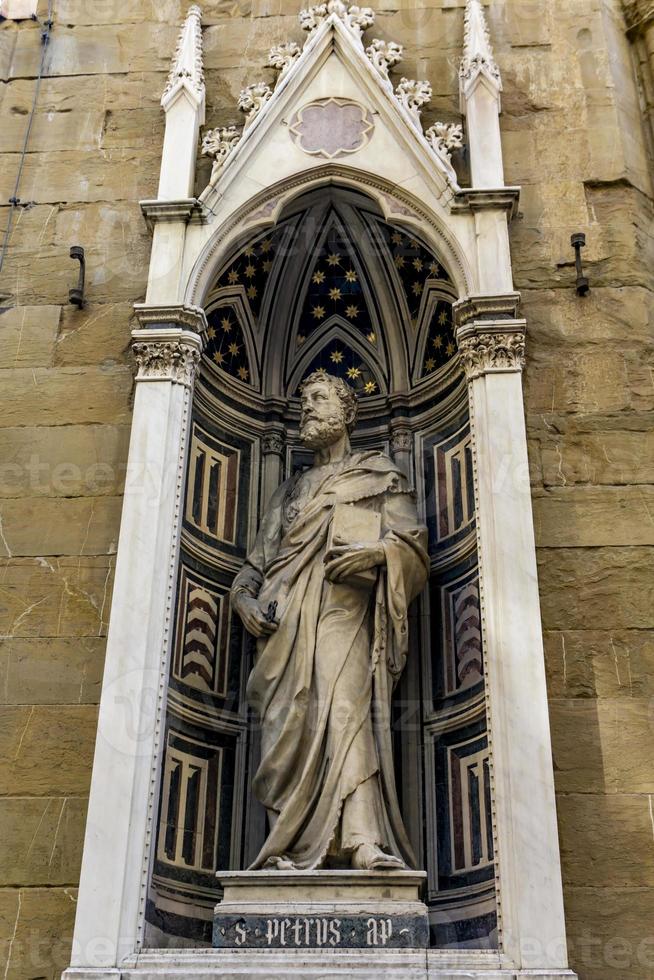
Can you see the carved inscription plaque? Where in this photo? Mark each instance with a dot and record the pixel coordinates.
(320, 931)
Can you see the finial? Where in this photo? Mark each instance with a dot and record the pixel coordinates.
(187, 70)
(477, 50)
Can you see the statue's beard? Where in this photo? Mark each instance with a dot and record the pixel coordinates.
(319, 433)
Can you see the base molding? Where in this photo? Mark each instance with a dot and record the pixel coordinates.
(322, 910)
(314, 964)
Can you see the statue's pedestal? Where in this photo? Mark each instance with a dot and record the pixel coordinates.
(321, 910)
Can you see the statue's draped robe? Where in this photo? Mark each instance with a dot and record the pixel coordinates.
(322, 682)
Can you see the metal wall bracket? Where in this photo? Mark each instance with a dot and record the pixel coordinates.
(578, 241)
(76, 294)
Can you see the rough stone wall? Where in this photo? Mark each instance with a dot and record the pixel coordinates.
(573, 139)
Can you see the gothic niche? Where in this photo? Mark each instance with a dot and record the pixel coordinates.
(331, 284)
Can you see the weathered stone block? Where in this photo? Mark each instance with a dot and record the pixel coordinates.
(594, 828)
(47, 750)
(41, 840)
(593, 380)
(35, 231)
(65, 175)
(54, 131)
(599, 664)
(55, 597)
(625, 217)
(134, 127)
(67, 460)
(43, 930)
(603, 745)
(60, 526)
(558, 316)
(97, 334)
(51, 670)
(244, 43)
(9, 906)
(608, 932)
(28, 335)
(603, 457)
(90, 50)
(66, 395)
(591, 516)
(598, 588)
(79, 12)
(100, 92)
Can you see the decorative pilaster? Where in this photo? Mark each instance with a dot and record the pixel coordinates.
(123, 789)
(273, 449)
(401, 446)
(480, 86)
(491, 341)
(183, 101)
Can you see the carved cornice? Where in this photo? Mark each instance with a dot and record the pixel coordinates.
(504, 306)
(491, 347)
(187, 70)
(487, 198)
(186, 210)
(179, 315)
(166, 355)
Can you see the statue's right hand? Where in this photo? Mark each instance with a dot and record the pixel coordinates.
(252, 615)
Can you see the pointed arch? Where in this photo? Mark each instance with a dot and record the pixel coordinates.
(338, 330)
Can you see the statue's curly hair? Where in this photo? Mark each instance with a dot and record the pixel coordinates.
(346, 394)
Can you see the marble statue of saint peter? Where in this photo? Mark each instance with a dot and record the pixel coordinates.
(331, 650)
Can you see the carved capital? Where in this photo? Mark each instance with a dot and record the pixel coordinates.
(166, 355)
(273, 442)
(401, 440)
(489, 347)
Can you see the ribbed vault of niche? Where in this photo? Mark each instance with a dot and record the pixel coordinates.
(328, 287)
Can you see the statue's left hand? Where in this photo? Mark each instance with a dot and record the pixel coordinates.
(345, 560)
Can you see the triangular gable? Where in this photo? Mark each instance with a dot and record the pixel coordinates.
(333, 102)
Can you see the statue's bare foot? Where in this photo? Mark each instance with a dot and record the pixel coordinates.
(369, 857)
(280, 864)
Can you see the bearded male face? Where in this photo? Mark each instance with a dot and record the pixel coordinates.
(323, 415)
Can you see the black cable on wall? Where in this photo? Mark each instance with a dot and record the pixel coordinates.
(14, 200)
